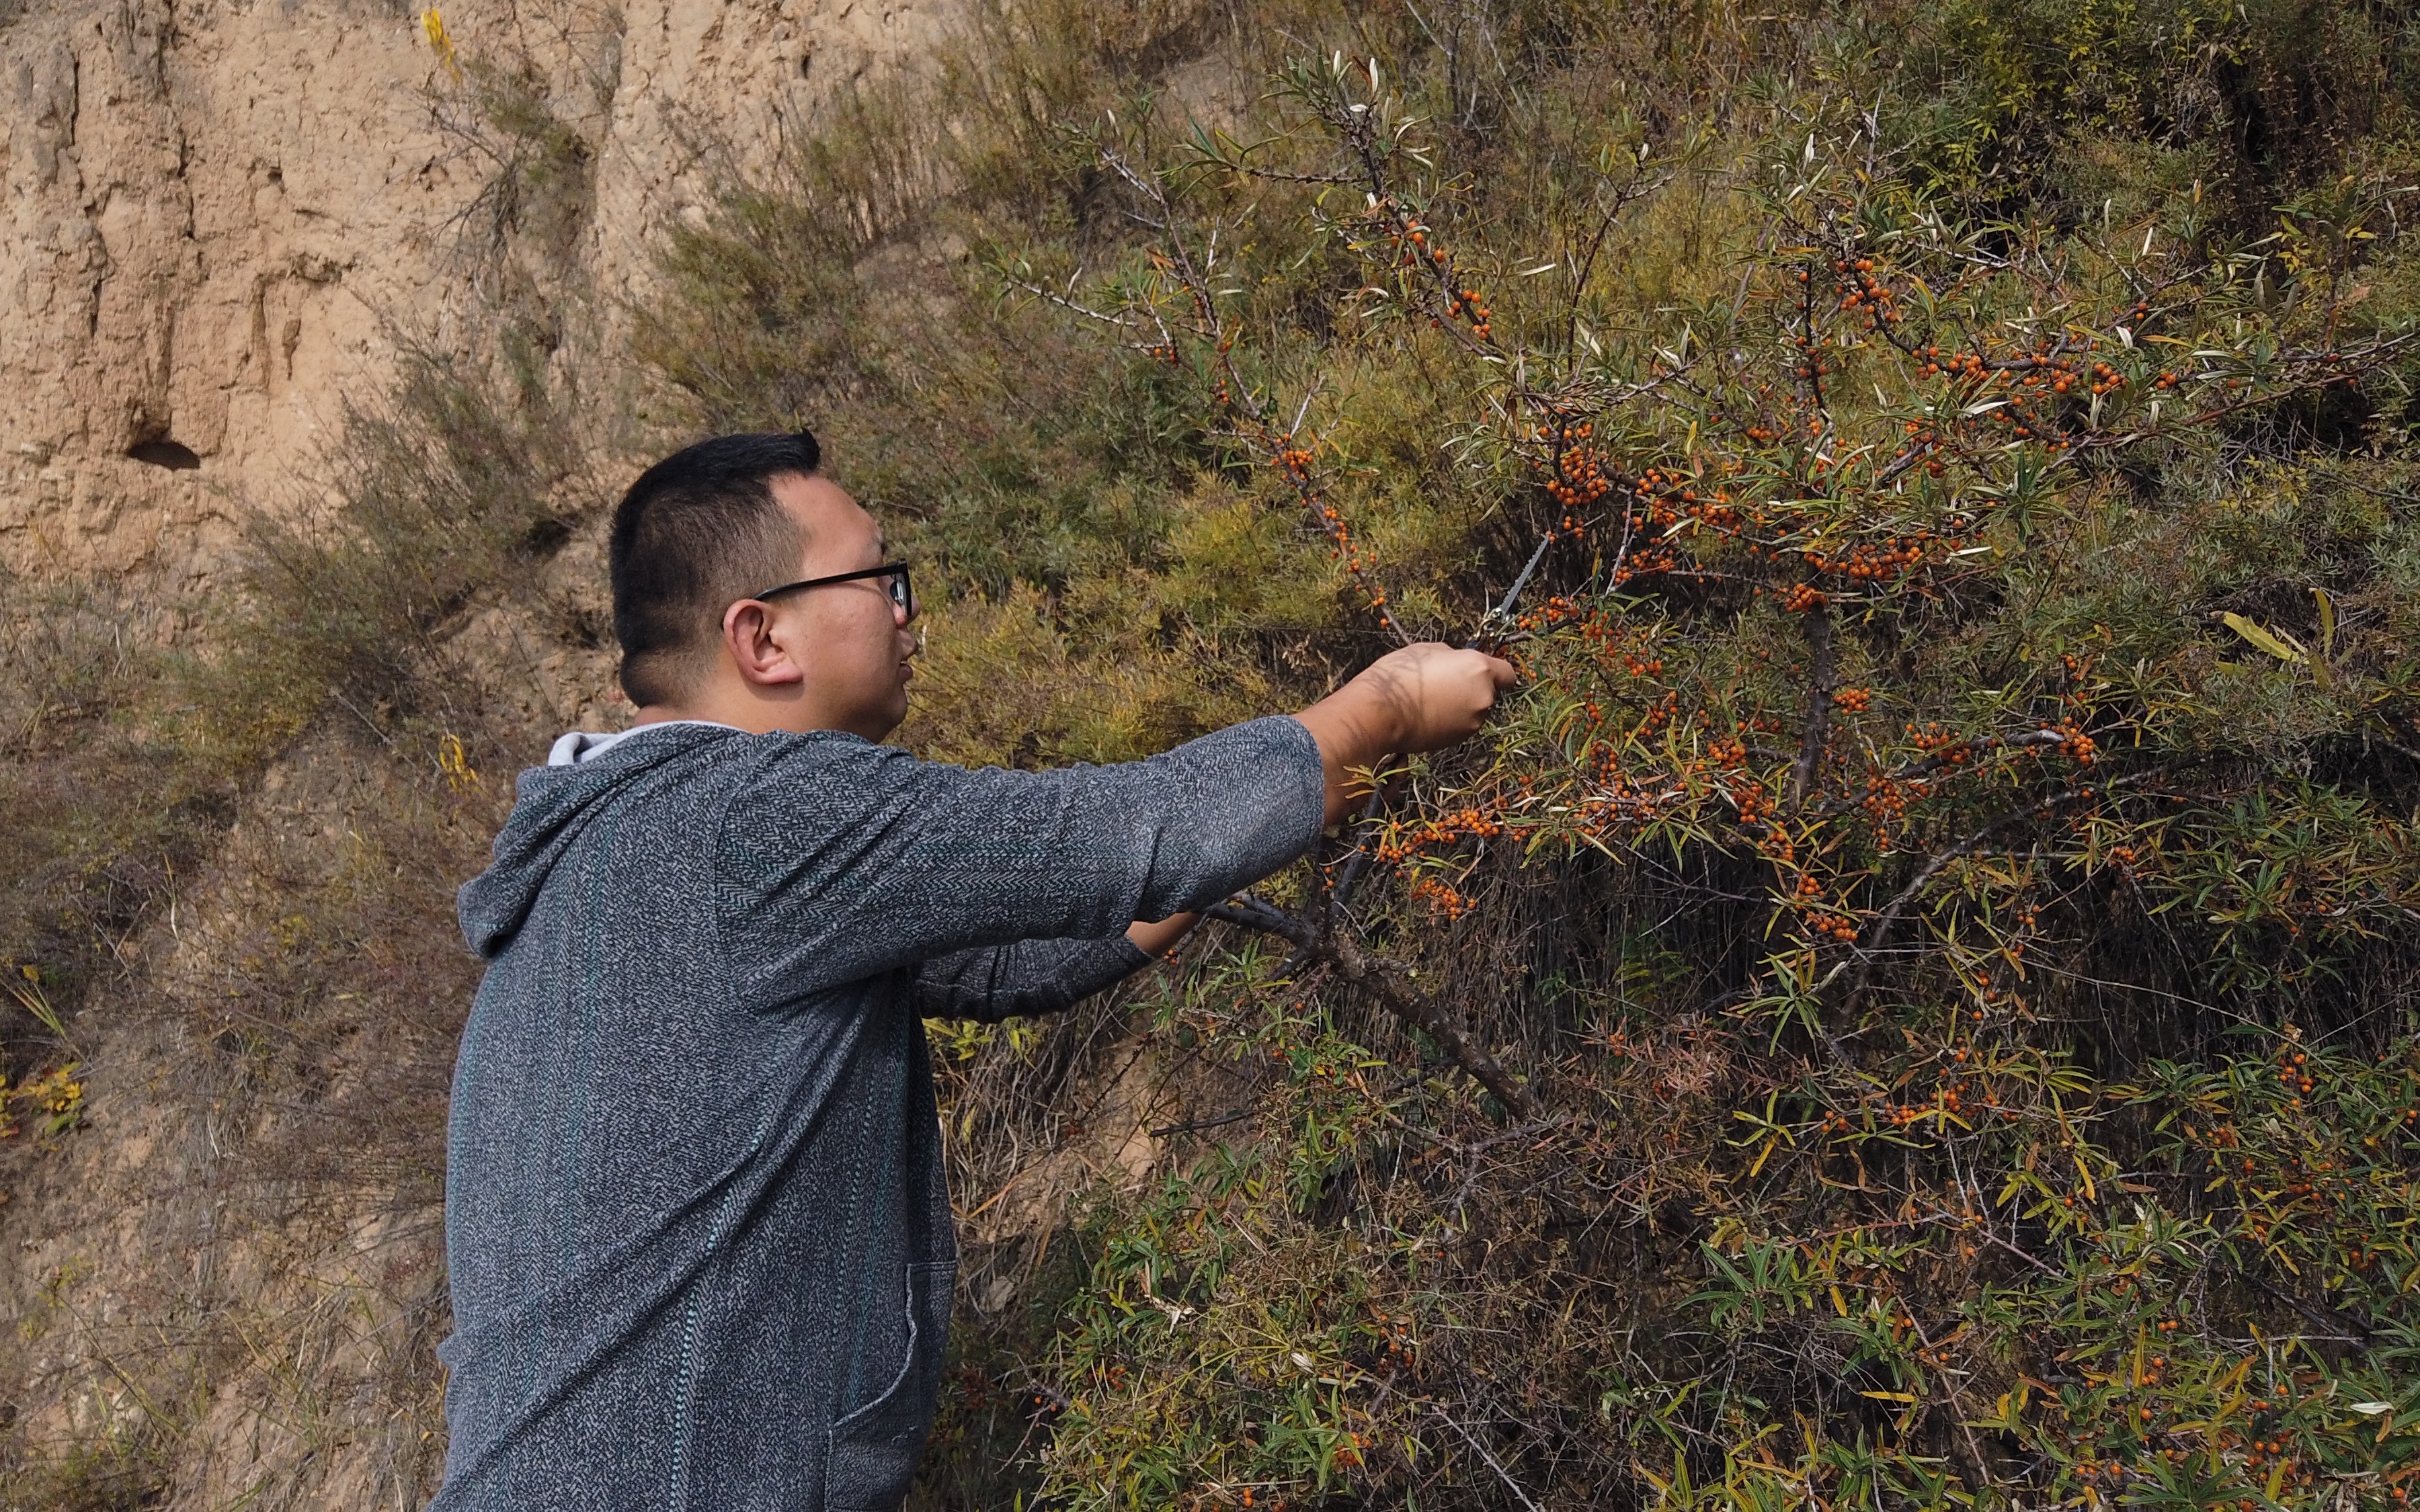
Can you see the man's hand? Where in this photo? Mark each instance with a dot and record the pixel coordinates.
(1420, 697)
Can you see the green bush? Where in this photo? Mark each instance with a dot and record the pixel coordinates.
(1967, 753)
(1910, 1003)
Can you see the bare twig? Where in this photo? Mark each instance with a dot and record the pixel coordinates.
(2324, 1317)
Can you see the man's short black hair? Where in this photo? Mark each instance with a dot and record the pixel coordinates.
(698, 530)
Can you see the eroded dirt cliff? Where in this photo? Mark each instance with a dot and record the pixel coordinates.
(222, 219)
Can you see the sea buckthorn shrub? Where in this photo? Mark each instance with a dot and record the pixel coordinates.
(1911, 1001)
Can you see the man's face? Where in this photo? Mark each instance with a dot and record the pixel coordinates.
(853, 641)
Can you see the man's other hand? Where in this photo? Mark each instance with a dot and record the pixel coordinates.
(1421, 697)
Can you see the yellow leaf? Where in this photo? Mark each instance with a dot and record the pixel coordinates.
(433, 26)
(1763, 1154)
(1888, 1395)
(2283, 648)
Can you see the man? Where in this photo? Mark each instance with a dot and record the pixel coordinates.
(701, 1250)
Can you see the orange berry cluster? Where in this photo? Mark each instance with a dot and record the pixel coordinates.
(1558, 609)
(1600, 632)
(1659, 714)
(1296, 462)
(1881, 563)
(1397, 1332)
(1946, 744)
(1820, 920)
(1920, 439)
(1465, 305)
(1863, 291)
(1852, 699)
(1803, 598)
(1440, 830)
(1670, 500)
(1957, 364)
(1580, 478)
(1886, 800)
(1441, 899)
(2026, 379)
(1645, 562)
(1410, 237)
(1753, 804)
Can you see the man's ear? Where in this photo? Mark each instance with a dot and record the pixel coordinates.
(748, 635)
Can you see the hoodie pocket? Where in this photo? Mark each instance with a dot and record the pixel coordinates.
(874, 1449)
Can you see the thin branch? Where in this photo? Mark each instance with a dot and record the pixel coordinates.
(1924, 766)
(1390, 980)
(1199, 1124)
(1501, 1474)
(1817, 734)
(1876, 938)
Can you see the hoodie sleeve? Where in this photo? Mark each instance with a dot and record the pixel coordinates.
(1023, 978)
(841, 859)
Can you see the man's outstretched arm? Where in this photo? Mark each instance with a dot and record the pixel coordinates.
(852, 860)
(1418, 699)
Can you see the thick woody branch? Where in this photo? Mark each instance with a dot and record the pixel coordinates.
(1390, 980)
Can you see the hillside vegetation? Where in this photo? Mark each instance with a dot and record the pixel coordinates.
(1913, 1001)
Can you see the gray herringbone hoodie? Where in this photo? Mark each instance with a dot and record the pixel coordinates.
(700, 1249)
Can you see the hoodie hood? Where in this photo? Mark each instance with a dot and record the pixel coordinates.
(553, 806)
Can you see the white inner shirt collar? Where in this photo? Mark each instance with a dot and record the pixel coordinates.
(578, 745)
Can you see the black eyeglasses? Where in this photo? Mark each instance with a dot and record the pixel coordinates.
(903, 597)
